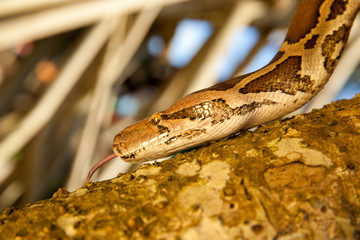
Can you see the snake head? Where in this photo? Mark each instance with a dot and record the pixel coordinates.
(144, 140)
(176, 129)
(162, 134)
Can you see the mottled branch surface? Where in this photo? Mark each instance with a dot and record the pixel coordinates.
(294, 179)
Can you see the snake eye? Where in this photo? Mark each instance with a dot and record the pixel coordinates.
(155, 119)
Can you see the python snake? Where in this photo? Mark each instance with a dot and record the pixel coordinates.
(305, 61)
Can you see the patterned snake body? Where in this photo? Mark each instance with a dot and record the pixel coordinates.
(315, 40)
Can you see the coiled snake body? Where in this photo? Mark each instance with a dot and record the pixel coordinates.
(315, 40)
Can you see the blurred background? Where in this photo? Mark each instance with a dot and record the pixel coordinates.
(75, 72)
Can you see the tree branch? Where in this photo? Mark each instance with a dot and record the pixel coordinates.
(297, 178)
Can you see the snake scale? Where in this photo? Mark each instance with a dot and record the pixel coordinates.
(304, 63)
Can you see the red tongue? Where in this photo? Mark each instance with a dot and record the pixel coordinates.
(98, 165)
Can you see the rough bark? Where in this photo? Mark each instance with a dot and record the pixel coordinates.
(294, 179)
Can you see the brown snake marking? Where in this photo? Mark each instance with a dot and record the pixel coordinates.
(330, 44)
(311, 43)
(196, 112)
(315, 40)
(298, 27)
(287, 79)
(187, 135)
(208, 110)
(162, 129)
(337, 8)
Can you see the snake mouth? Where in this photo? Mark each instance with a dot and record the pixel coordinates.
(126, 157)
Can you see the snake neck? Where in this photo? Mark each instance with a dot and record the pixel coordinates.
(305, 61)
